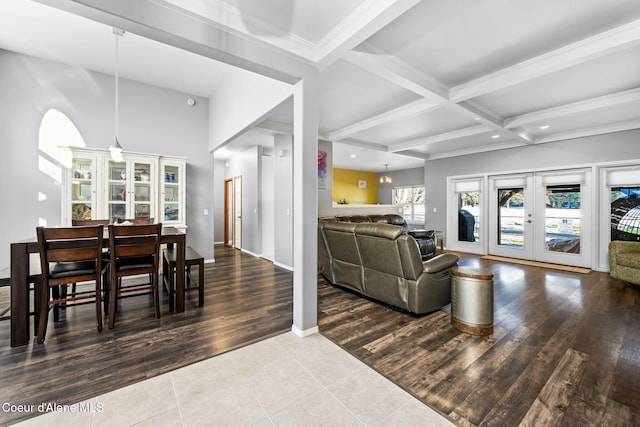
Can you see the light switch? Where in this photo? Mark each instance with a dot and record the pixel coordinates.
(206, 211)
(434, 210)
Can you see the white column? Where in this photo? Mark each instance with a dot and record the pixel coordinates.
(305, 205)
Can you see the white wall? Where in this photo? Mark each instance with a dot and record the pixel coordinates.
(283, 200)
(267, 207)
(242, 101)
(247, 165)
(152, 120)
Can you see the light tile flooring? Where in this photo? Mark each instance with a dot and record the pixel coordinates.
(284, 380)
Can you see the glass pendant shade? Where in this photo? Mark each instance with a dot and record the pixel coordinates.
(386, 179)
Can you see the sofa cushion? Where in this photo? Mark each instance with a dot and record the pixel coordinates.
(629, 259)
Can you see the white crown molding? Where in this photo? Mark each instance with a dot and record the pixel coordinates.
(360, 24)
(623, 37)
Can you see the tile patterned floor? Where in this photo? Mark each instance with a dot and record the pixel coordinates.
(282, 381)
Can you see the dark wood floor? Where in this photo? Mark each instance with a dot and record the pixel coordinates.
(247, 299)
(565, 349)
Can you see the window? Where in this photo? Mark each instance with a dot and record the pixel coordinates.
(412, 201)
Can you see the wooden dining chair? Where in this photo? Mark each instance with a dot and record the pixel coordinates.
(69, 255)
(105, 253)
(133, 250)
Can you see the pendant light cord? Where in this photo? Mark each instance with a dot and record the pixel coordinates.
(117, 98)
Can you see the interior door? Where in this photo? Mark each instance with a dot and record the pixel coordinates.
(237, 212)
(512, 216)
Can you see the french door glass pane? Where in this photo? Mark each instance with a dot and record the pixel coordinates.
(625, 213)
(562, 218)
(469, 216)
(511, 217)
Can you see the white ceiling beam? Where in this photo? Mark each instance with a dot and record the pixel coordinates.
(399, 113)
(422, 142)
(415, 154)
(611, 100)
(362, 144)
(368, 19)
(599, 130)
(623, 37)
(476, 150)
(399, 73)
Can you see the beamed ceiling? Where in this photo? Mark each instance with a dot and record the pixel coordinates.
(401, 81)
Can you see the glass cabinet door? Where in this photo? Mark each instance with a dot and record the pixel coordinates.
(83, 200)
(117, 190)
(171, 203)
(141, 191)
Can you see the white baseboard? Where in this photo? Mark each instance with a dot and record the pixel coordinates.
(286, 267)
(300, 333)
(250, 253)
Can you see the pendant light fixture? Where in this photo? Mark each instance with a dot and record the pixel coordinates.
(116, 148)
(386, 179)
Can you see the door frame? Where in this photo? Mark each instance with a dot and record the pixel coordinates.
(524, 181)
(227, 206)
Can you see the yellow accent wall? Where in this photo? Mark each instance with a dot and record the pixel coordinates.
(345, 186)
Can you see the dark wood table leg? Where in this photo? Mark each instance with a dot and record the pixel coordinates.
(181, 247)
(19, 294)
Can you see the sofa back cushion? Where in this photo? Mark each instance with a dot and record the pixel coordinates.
(343, 249)
(378, 247)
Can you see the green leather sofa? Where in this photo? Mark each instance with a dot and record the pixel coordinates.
(383, 262)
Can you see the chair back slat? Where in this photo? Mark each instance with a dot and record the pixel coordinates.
(134, 240)
(85, 222)
(72, 255)
(69, 244)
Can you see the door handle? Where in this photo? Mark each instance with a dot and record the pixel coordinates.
(529, 221)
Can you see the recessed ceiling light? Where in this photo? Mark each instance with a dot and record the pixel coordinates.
(495, 136)
(543, 127)
(353, 156)
(477, 119)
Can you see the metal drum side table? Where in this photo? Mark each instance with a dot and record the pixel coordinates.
(472, 300)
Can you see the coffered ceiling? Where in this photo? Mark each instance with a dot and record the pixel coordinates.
(406, 80)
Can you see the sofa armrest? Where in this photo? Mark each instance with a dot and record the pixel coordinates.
(439, 263)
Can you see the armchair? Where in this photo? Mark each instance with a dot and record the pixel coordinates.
(624, 261)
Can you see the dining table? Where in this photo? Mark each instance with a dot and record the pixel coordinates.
(21, 277)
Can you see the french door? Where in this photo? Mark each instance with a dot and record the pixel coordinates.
(543, 216)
